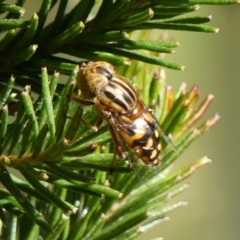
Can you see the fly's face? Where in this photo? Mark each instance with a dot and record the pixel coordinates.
(93, 77)
(132, 125)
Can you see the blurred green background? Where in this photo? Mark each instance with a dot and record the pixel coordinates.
(213, 62)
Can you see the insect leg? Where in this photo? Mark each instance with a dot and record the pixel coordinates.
(87, 103)
(96, 127)
(118, 149)
(113, 162)
(118, 146)
(98, 124)
(81, 101)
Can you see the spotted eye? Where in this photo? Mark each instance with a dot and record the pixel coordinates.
(105, 72)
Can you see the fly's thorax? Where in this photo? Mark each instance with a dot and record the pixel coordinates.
(93, 77)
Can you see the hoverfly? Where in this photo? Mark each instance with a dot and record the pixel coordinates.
(131, 123)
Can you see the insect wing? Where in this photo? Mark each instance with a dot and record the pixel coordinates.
(121, 131)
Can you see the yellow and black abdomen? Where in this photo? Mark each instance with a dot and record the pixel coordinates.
(142, 137)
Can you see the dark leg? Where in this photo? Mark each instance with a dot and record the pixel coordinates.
(118, 146)
(98, 124)
(118, 149)
(113, 162)
(81, 101)
(87, 103)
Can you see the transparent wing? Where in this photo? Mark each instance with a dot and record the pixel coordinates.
(142, 171)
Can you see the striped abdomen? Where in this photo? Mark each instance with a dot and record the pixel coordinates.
(118, 96)
(142, 136)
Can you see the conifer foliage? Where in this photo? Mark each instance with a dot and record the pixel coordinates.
(61, 187)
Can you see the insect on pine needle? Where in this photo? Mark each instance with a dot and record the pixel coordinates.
(132, 124)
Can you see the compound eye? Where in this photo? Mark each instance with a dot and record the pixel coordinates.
(105, 72)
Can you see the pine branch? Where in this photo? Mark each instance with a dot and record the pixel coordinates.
(67, 191)
(87, 35)
(54, 153)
